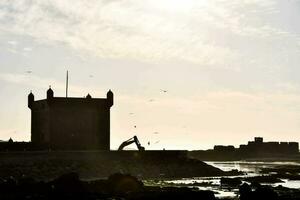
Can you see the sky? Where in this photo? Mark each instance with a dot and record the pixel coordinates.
(230, 69)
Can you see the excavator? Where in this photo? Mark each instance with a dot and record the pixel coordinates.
(135, 140)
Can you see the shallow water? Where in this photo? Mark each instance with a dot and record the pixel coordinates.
(251, 168)
(294, 184)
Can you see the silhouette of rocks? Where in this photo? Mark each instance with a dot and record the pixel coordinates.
(233, 182)
(117, 186)
(127, 187)
(287, 193)
(173, 193)
(8, 185)
(245, 191)
(67, 183)
(121, 184)
(261, 192)
(291, 169)
(263, 179)
(290, 172)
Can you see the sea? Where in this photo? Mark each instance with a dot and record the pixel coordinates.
(250, 169)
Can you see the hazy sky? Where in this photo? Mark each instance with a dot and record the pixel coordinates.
(231, 68)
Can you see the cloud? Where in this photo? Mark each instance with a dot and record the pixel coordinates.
(146, 30)
(40, 82)
(244, 18)
(12, 42)
(27, 49)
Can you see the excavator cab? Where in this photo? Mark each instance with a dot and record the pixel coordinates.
(135, 140)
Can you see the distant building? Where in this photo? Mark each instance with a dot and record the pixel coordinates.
(253, 150)
(222, 148)
(11, 145)
(258, 147)
(68, 123)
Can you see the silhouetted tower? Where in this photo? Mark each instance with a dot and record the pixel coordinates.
(110, 98)
(50, 93)
(30, 99)
(71, 123)
(88, 96)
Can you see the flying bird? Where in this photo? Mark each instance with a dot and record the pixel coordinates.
(134, 126)
(151, 100)
(131, 113)
(28, 71)
(164, 91)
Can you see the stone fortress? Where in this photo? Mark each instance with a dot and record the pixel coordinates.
(68, 123)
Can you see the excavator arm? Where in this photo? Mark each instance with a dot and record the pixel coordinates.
(124, 144)
(135, 140)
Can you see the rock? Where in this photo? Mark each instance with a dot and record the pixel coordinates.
(26, 185)
(263, 179)
(7, 186)
(245, 189)
(232, 182)
(117, 186)
(162, 193)
(261, 192)
(67, 183)
(124, 184)
(265, 193)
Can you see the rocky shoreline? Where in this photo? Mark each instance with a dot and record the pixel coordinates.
(117, 186)
(127, 187)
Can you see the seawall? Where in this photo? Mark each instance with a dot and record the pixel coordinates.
(46, 165)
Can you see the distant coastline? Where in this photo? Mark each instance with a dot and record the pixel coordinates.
(256, 150)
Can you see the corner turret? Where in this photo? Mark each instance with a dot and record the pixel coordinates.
(30, 99)
(110, 98)
(50, 93)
